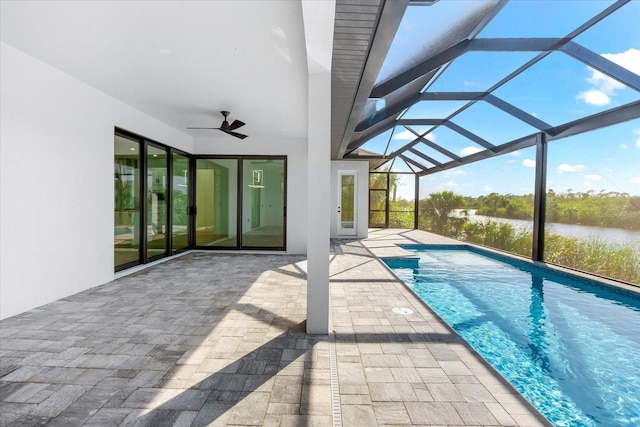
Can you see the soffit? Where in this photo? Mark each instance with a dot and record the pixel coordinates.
(355, 25)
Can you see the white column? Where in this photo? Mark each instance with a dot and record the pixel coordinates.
(319, 203)
(318, 17)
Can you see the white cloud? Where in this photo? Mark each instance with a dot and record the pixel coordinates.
(452, 184)
(564, 167)
(625, 146)
(516, 153)
(466, 151)
(594, 97)
(635, 180)
(638, 142)
(487, 188)
(604, 87)
(608, 170)
(593, 177)
(455, 172)
(529, 163)
(405, 135)
(629, 59)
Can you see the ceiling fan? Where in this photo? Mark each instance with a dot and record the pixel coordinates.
(229, 128)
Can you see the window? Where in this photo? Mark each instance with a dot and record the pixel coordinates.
(155, 225)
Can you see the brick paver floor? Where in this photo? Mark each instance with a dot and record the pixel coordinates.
(218, 339)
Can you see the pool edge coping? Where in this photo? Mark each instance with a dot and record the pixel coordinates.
(534, 411)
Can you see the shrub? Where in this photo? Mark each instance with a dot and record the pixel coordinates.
(594, 255)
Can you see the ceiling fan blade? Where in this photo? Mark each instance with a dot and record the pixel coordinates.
(236, 134)
(203, 128)
(236, 124)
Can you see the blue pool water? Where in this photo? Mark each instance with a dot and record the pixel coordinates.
(569, 345)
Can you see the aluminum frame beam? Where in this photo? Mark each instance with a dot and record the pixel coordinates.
(517, 113)
(413, 162)
(470, 135)
(424, 67)
(540, 200)
(424, 156)
(460, 47)
(602, 64)
(611, 117)
(480, 45)
(428, 142)
(388, 112)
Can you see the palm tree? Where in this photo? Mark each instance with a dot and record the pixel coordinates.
(438, 207)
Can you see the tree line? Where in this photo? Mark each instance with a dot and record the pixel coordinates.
(621, 261)
(598, 209)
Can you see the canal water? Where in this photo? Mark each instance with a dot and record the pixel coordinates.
(612, 235)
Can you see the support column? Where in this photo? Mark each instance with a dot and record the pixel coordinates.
(540, 197)
(318, 202)
(318, 17)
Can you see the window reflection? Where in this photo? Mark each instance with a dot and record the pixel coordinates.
(127, 202)
(263, 198)
(180, 203)
(156, 201)
(216, 202)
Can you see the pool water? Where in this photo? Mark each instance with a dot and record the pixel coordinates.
(571, 346)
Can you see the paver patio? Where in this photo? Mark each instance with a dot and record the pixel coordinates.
(218, 339)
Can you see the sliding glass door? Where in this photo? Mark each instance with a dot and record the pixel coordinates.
(263, 203)
(217, 203)
(240, 202)
(166, 201)
(152, 200)
(127, 232)
(180, 202)
(156, 203)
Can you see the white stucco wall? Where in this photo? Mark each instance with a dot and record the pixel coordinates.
(362, 196)
(56, 168)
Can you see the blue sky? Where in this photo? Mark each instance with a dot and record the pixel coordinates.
(556, 90)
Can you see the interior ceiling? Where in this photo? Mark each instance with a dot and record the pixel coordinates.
(181, 62)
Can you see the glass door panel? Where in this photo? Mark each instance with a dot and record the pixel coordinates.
(217, 202)
(127, 202)
(263, 203)
(347, 206)
(156, 201)
(180, 203)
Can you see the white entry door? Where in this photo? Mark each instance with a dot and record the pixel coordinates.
(347, 202)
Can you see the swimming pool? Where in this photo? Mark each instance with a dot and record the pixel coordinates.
(571, 346)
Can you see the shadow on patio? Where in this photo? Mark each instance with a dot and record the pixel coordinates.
(218, 339)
